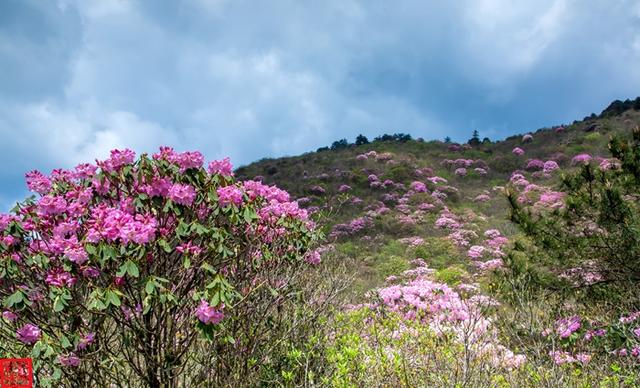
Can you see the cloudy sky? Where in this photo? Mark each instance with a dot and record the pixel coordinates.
(251, 79)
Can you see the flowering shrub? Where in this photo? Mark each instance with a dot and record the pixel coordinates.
(344, 188)
(132, 261)
(581, 159)
(518, 151)
(461, 171)
(527, 138)
(534, 165)
(550, 166)
(418, 187)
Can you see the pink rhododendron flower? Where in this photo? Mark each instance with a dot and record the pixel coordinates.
(188, 159)
(550, 166)
(207, 314)
(229, 195)
(222, 167)
(461, 171)
(9, 316)
(582, 158)
(518, 151)
(418, 187)
(476, 251)
(482, 198)
(52, 205)
(69, 360)
(312, 257)
(37, 182)
(567, 326)
(344, 188)
(182, 194)
(86, 340)
(189, 248)
(29, 334)
(119, 158)
(534, 165)
(58, 277)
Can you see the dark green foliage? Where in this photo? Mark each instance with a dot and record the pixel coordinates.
(398, 137)
(361, 140)
(399, 173)
(340, 144)
(618, 107)
(322, 149)
(475, 138)
(447, 140)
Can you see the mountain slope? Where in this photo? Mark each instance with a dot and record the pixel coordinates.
(391, 212)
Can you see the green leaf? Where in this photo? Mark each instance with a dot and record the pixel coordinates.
(113, 298)
(186, 262)
(64, 341)
(150, 286)
(132, 269)
(249, 214)
(59, 304)
(14, 299)
(122, 270)
(165, 245)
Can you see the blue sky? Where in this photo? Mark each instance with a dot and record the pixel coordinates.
(254, 79)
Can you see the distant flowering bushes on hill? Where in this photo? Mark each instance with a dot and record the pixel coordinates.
(127, 253)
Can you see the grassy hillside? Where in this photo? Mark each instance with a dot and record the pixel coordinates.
(316, 177)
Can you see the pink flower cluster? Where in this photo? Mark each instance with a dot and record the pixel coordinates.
(418, 187)
(344, 188)
(185, 160)
(221, 167)
(550, 166)
(230, 195)
(29, 334)
(518, 151)
(112, 224)
(209, 315)
(581, 159)
(534, 165)
(182, 194)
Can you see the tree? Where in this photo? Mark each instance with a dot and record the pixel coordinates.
(475, 138)
(340, 144)
(447, 140)
(361, 140)
(593, 230)
(125, 273)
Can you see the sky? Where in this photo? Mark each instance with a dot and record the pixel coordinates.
(255, 79)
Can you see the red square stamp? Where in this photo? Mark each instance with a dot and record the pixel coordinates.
(16, 373)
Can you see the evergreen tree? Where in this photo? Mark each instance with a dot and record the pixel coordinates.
(361, 140)
(475, 138)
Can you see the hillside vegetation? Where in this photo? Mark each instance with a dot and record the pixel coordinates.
(445, 288)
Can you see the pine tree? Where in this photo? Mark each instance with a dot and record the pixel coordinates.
(475, 138)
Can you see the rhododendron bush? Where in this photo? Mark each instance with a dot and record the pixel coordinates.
(135, 261)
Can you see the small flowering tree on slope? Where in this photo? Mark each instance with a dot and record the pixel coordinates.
(115, 272)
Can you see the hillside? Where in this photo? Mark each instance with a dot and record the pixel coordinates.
(316, 179)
